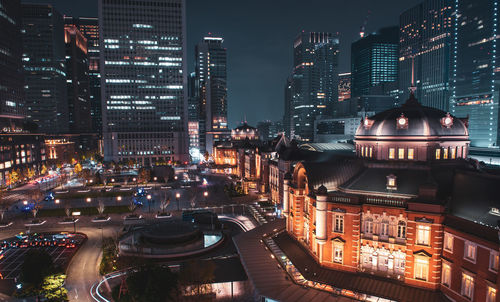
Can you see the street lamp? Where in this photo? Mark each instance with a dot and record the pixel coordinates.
(57, 201)
(206, 195)
(25, 202)
(177, 196)
(88, 200)
(149, 202)
(118, 199)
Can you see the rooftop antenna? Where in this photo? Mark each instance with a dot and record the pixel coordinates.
(413, 88)
(363, 27)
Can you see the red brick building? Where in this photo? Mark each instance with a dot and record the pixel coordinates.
(409, 207)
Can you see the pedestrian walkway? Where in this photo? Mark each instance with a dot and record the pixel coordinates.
(266, 275)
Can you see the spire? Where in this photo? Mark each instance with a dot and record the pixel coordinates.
(413, 88)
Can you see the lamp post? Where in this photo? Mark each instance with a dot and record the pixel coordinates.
(177, 196)
(155, 179)
(206, 195)
(149, 202)
(88, 200)
(118, 199)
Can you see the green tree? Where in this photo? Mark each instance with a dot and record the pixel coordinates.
(53, 290)
(36, 266)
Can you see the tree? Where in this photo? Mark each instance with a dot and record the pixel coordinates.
(164, 204)
(31, 173)
(43, 170)
(78, 168)
(85, 174)
(152, 283)
(101, 207)
(53, 290)
(14, 176)
(144, 175)
(4, 205)
(36, 266)
(196, 277)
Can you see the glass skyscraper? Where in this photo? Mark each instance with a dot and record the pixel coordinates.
(45, 68)
(143, 80)
(12, 110)
(425, 35)
(374, 61)
(89, 27)
(314, 81)
(211, 74)
(476, 72)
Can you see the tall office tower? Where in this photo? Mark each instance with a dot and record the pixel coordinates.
(287, 116)
(210, 58)
(12, 109)
(143, 80)
(193, 113)
(374, 61)
(344, 86)
(425, 33)
(77, 69)
(89, 27)
(314, 80)
(476, 72)
(45, 68)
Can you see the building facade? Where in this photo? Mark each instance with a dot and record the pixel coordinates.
(475, 91)
(344, 86)
(425, 37)
(314, 81)
(211, 74)
(409, 208)
(77, 70)
(45, 68)
(89, 27)
(143, 80)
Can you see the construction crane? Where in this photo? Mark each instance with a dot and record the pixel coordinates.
(363, 27)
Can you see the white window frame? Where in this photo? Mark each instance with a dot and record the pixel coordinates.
(421, 269)
(470, 246)
(338, 253)
(338, 217)
(494, 260)
(446, 275)
(423, 234)
(369, 226)
(384, 228)
(448, 242)
(401, 229)
(464, 291)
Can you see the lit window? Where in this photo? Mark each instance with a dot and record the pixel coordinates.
(438, 153)
(493, 261)
(446, 275)
(339, 223)
(371, 152)
(445, 153)
(411, 153)
(401, 229)
(401, 153)
(423, 234)
(467, 285)
(470, 251)
(421, 268)
(362, 151)
(453, 152)
(391, 182)
(448, 242)
(338, 252)
(392, 153)
(491, 295)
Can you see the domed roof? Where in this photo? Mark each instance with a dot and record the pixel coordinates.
(244, 127)
(412, 119)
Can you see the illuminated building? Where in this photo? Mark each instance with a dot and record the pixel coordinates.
(45, 68)
(211, 61)
(314, 81)
(244, 132)
(77, 66)
(475, 91)
(143, 77)
(374, 61)
(328, 130)
(12, 107)
(409, 207)
(425, 32)
(89, 27)
(59, 151)
(344, 86)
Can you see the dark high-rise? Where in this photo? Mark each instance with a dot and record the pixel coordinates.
(89, 27)
(425, 32)
(211, 74)
(374, 61)
(77, 81)
(143, 80)
(476, 73)
(45, 68)
(344, 86)
(12, 109)
(314, 81)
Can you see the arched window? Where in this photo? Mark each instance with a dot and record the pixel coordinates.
(401, 229)
(369, 225)
(384, 231)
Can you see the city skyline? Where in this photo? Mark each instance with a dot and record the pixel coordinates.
(244, 35)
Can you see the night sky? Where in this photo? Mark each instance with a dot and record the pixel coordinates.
(259, 36)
